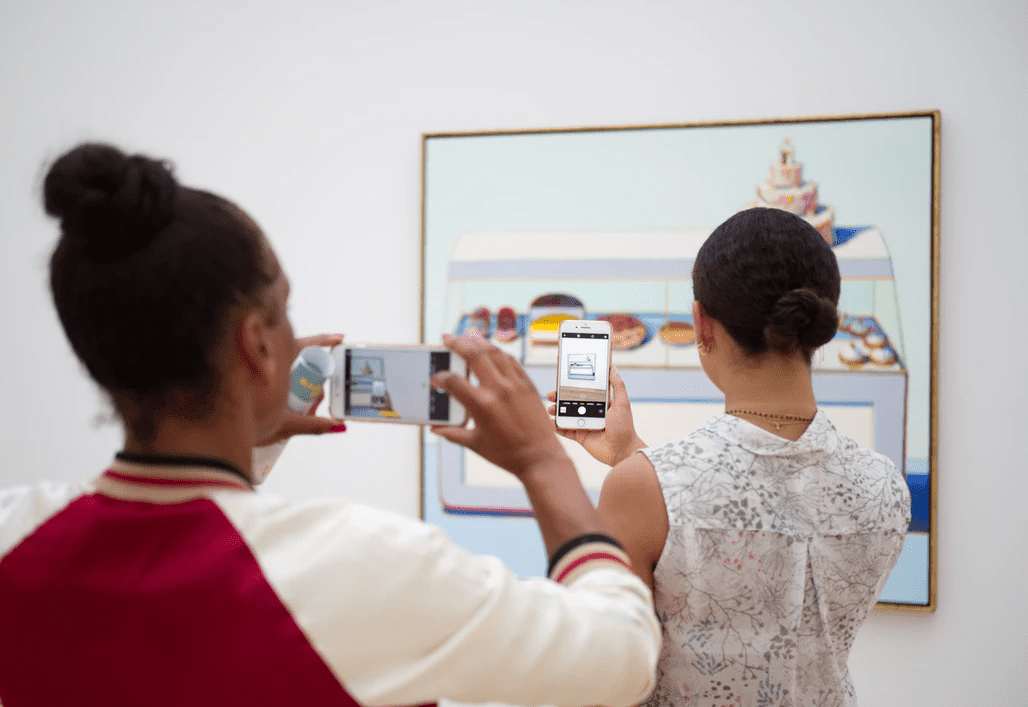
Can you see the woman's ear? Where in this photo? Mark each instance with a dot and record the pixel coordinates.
(254, 344)
(702, 327)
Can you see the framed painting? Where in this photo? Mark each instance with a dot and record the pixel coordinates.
(522, 228)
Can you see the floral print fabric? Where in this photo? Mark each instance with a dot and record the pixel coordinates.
(775, 553)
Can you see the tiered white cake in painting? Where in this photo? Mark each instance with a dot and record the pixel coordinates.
(786, 190)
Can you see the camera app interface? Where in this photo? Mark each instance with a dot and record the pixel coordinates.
(584, 362)
(394, 383)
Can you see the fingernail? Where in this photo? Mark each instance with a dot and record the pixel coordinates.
(447, 337)
(341, 427)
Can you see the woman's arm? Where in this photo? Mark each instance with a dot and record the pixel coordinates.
(632, 505)
(404, 616)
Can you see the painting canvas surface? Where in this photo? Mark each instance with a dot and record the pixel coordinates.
(524, 229)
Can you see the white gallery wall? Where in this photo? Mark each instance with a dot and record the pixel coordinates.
(310, 114)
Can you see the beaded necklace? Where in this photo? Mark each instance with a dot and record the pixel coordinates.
(776, 420)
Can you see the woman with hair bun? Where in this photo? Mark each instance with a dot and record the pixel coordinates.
(766, 535)
(166, 580)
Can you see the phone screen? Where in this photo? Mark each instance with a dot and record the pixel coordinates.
(393, 383)
(582, 382)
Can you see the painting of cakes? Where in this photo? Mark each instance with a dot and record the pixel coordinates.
(605, 224)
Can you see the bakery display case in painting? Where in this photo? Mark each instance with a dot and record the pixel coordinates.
(523, 230)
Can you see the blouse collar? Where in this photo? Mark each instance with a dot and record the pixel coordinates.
(816, 437)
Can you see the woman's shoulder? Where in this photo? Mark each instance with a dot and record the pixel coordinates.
(868, 463)
(875, 479)
(853, 453)
(268, 513)
(698, 450)
(24, 508)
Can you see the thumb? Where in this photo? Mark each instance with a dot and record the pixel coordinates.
(619, 394)
(458, 435)
(296, 424)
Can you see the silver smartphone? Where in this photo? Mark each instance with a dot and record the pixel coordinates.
(583, 369)
(384, 383)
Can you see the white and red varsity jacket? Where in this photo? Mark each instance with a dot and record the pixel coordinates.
(174, 583)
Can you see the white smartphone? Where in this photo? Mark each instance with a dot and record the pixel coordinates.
(583, 368)
(391, 384)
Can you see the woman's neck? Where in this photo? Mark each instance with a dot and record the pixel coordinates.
(775, 386)
(176, 436)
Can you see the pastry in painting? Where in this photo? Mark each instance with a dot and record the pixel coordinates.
(883, 356)
(857, 327)
(852, 355)
(506, 325)
(786, 189)
(678, 333)
(558, 300)
(479, 323)
(874, 340)
(543, 331)
(628, 331)
(547, 312)
(556, 303)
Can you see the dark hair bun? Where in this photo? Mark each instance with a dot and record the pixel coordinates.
(110, 204)
(801, 317)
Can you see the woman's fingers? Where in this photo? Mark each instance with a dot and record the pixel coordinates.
(511, 427)
(478, 353)
(311, 425)
(458, 435)
(294, 423)
(568, 434)
(318, 340)
(579, 436)
(460, 388)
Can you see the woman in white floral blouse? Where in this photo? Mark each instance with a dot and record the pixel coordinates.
(766, 535)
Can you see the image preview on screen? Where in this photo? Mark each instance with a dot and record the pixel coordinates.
(582, 378)
(394, 384)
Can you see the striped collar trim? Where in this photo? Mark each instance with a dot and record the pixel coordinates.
(166, 483)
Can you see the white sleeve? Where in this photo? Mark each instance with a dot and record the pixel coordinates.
(404, 616)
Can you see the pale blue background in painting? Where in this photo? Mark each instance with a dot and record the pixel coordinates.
(873, 172)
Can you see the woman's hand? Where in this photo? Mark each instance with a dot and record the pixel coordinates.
(511, 428)
(295, 423)
(619, 440)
